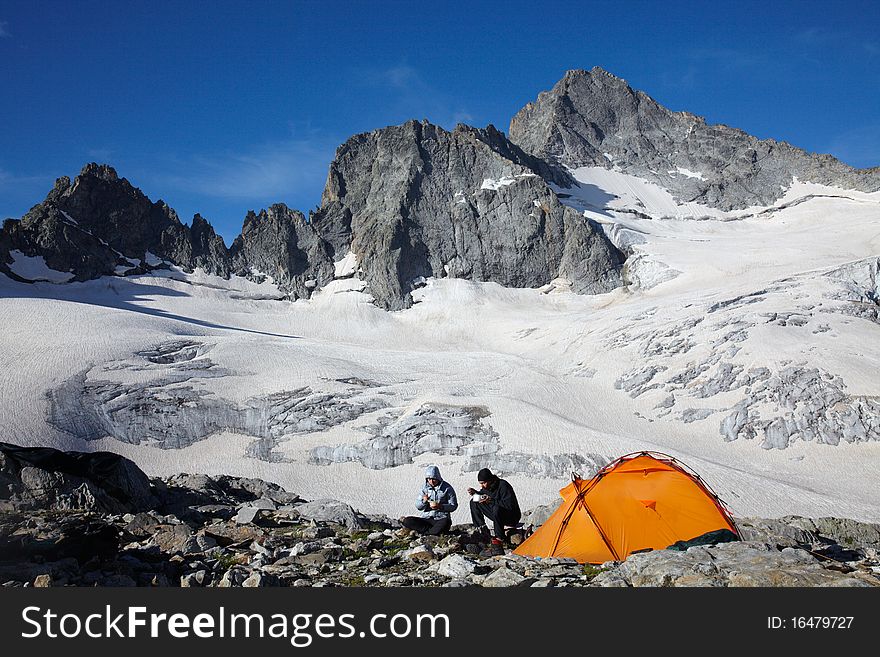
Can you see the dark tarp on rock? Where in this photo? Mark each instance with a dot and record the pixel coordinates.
(709, 538)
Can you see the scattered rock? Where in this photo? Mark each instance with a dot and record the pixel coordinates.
(330, 511)
(247, 515)
(506, 577)
(327, 543)
(455, 566)
(43, 581)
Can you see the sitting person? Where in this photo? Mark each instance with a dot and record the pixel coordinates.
(497, 502)
(436, 501)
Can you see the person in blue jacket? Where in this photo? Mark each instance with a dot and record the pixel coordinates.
(436, 501)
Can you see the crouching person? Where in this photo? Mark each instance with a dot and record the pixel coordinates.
(436, 502)
(495, 501)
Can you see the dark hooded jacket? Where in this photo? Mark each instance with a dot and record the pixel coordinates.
(502, 497)
(442, 493)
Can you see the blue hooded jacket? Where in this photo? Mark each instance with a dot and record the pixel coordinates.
(442, 493)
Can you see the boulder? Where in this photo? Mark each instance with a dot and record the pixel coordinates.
(726, 564)
(505, 576)
(46, 478)
(326, 510)
(455, 566)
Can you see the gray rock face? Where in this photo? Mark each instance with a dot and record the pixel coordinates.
(410, 201)
(727, 564)
(417, 201)
(101, 222)
(782, 532)
(540, 514)
(44, 478)
(280, 243)
(589, 114)
(850, 533)
(330, 511)
(101, 225)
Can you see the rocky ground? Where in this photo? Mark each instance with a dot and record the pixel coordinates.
(69, 519)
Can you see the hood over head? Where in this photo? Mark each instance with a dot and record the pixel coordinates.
(433, 472)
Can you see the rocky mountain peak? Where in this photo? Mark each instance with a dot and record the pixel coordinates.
(62, 184)
(102, 171)
(279, 243)
(595, 119)
(596, 75)
(278, 217)
(416, 201)
(410, 201)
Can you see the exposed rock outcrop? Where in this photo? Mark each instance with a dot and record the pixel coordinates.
(593, 118)
(415, 201)
(200, 530)
(281, 244)
(101, 225)
(48, 479)
(409, 201)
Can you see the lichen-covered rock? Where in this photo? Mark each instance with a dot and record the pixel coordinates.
(775, 531)
(330, 511)
(455, 566)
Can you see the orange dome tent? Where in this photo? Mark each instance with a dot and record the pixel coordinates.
(641, 501)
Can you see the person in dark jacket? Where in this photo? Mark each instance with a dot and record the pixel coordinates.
(436, 501)
(496, 501)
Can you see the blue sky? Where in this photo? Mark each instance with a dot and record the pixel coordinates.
(223, 107)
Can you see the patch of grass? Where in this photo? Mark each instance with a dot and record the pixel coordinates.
(358, 554)
(227, 560)
(395, 547)
(353, 580)
(591, 571)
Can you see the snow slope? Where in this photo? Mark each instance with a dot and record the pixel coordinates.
(738, 335)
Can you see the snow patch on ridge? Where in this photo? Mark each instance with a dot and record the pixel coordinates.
(34, 268)
(599, 191)
(504, 181)
(70, 219)
(689, 174)
(603, 193)
(347, 267)
(152, 259)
